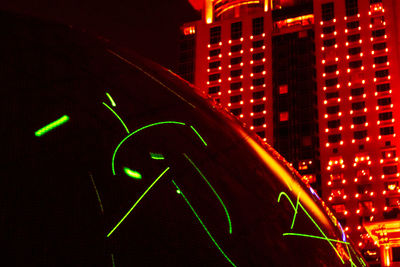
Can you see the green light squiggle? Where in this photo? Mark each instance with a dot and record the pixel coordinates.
(197, 133)
(51, 126)
(215, 192)
(156, 156)
(111, 100)
(133, 174)
(137, 201)
(310, 217)
(316, 237)
(97, 193)
(202, 224)
(116, 115)
(138, 130)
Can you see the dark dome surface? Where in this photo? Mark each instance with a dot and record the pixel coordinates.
(111, 160)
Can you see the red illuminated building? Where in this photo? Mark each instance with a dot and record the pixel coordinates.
(316, 76)
(230, 55)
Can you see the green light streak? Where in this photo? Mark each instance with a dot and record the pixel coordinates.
(295, 210)
(201, 138)
(111, 100)
(97, 193)
(112, 259)
(116, 115)
(131, 173)
(138, 130)
(151, 76)
(310, 217)
(137, 201)
(52, 125)
(202, 224)
(314, 236)
(215, 193)
(359, 259)
(350, 259)
(156, 156)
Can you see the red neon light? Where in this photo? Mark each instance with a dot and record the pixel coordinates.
(189, 30)
(301, 20)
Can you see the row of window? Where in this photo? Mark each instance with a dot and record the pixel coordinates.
(356, 64)
(235, 48)
(235, 73)
(351, 7)
(359, 105)
(255, 108)
(332, 124)
(357, 135)
(236, 30)
(256, 95)
(354, 37)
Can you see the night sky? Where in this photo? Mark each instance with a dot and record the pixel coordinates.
(150, 27)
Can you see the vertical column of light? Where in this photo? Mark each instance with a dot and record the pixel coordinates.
(356, 128)
(257, 77)
(333, 115)
(208, 11)
(214, 62)
(235, 74)
(384, 107)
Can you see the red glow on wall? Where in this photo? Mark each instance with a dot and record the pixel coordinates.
(189, 30)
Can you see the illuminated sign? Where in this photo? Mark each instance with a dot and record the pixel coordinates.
(301, 20)
(189, 30)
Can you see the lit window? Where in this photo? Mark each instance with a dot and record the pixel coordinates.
(284, 116)
(283, 89)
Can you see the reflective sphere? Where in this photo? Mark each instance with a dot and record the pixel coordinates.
(112, 160)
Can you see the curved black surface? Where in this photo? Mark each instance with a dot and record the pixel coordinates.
(51, 214)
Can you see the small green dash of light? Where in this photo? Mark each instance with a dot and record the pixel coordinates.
(133, 174)
(111, 100)
(156, 156)
(52, 125)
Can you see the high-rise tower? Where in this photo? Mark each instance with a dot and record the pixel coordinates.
(317, 80)
(230, 55)
(358, 99)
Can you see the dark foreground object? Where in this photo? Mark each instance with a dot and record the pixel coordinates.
(108, 159)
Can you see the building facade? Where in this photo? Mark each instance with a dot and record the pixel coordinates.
(357, 76)
(317, 80)
(230, 55)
